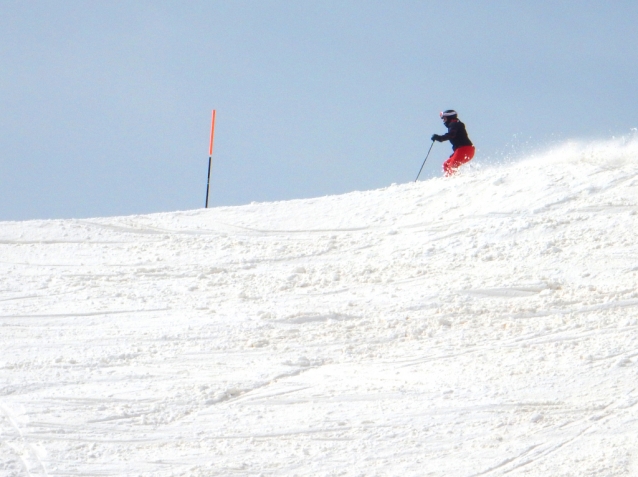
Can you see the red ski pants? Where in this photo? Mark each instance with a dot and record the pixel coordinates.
(462, 155)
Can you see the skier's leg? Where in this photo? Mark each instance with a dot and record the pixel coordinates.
(461, 156)
(453, 163)
(448, 168)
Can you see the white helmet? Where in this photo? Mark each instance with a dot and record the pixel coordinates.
(448, 114)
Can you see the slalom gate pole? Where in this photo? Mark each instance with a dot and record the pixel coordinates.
(210, 154)
(426, 158)
(210, 160)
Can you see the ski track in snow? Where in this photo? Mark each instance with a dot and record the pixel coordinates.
(483, 325)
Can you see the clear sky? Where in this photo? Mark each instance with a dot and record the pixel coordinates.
(105, 105)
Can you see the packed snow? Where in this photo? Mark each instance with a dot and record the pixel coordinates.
(479, 325)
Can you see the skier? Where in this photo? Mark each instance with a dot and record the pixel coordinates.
(462, 147)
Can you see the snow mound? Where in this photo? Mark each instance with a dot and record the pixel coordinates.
(485, 324)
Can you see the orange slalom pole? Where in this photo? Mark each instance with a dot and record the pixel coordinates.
(210, 154)
(212, 135)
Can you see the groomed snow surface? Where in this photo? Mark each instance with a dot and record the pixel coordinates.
(481, 325)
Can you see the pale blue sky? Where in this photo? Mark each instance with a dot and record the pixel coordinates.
(105, 105)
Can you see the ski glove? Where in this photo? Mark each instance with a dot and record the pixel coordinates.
(436, 137)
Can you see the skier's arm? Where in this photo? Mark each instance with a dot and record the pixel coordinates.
(451, 134)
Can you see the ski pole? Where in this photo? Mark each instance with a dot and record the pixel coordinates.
(426, 158)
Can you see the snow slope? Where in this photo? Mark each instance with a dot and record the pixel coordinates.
(483, 325)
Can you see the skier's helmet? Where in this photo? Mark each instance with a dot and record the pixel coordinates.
(448, 114)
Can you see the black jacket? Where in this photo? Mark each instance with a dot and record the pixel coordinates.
(456, 134)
